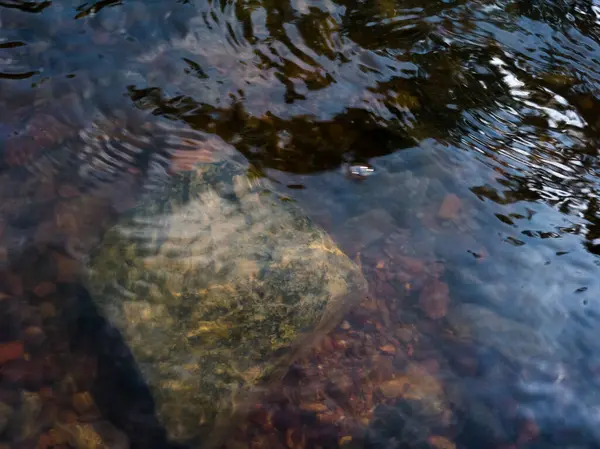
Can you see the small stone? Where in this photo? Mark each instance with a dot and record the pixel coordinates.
(14, 283)
(46, 232)
(434, 299)
(340, 344)
(44, 289)
(365, 229)
(66, 222)
(83, 402)
(23, 372)
(327, 344)
(6, 412)
(68, 269)
(388, 349)
(432, 366)
(33, 336)
(11, 351)
(25, 422)
(44, 441)
(346, 439)
(439, 442)
(345, 325)
(395, 388)
(382, 369)
(67, 416)
(411, 264)
(316, 407)
(46, 393)
(47, 310)
(528, 431)
(67, 191)
(58, 436)
(405, 334)
(450, 207)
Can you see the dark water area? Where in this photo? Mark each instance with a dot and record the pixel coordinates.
(472, 130)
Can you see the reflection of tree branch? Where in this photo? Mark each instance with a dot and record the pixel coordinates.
(86, 10)
(299, 145)
(26, 6)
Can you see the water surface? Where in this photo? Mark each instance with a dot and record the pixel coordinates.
(478, 226)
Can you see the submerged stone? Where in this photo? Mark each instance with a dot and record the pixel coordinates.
(216, 284)
(516, 341)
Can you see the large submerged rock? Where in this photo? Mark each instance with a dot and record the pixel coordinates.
(216, 283)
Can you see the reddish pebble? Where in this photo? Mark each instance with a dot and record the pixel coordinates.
(388, 349)
(11, 351)
(434, 299)
(22, 372)
(67, 191)
(412, 265)
(528, 431)
(450, 207)
(45, 441)
(44, 289)
(46, 393)
(33, 336)
(468, 365)
(327, 344)
(14, 284)
(431, 365)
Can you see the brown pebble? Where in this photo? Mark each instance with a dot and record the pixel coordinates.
(388, 349)
(316, 407)
(82, 402)
(439, 442)
(382, 369)
(395, 387)
(528, 431)
(431, 365)
(66, 222)
(44, 441)
(58, 436)
(47, 310)
(412, 265)
(327, 344)
(33, 336)
(44, 289)
(46, 393)
(434, 299)
(23, 372)
(11, 351)
(468, 365)
(67, 191)
(14, 284)
(67, 416)
(340, 343)
(68, 269)
(450, 207)
(405, 334)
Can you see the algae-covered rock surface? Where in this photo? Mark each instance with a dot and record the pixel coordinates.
(216, 283)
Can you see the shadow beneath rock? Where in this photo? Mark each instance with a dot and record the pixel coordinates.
(119, 389)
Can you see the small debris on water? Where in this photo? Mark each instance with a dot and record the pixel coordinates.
(360, 171)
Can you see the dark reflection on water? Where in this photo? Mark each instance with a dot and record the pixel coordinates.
(480, 119)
